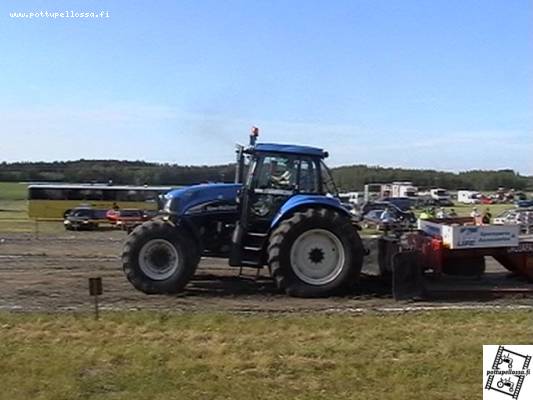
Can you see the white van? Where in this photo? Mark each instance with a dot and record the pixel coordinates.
(468, 197)
(355, 198)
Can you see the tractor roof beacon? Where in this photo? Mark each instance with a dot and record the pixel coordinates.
(282, 212)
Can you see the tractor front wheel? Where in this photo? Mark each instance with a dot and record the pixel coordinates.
(315, 253)
(158, 258)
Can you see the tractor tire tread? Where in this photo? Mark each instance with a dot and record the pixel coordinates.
(285, 280)
(158, 228)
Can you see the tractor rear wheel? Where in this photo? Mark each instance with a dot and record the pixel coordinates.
(158, 258)
(315, 253)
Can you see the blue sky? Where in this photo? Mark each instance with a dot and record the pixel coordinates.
(438, 84)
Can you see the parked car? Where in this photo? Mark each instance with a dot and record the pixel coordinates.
(127, 219)
(524, 203)
(485, 199)
(351, 209)
(445, 203)
(84, 218)
(520, 196)
(373, 205)
(517, 216)
(395, 218)
(424, 202)
(372, 219)
(403, 203)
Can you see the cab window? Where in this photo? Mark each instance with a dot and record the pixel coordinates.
(276, 172)
(308, 177)
(328, 184)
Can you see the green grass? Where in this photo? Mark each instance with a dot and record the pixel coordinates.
(464, 210)
(14, 209)
(13, 191)
(435, 355)
(13, 206)
(14, 212)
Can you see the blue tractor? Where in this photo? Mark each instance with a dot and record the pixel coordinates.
(282, 212)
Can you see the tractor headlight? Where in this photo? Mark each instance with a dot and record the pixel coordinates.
(171, 206)
(166, 207)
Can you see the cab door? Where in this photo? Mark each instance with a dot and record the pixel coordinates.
(272, 180)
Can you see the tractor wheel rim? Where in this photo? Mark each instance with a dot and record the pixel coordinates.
(317, 257)
(158, 259)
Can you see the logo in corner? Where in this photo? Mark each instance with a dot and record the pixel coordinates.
(507, 373)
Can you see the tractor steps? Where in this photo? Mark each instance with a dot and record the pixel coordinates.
(254, 244)
(258, 234)
(252, 248)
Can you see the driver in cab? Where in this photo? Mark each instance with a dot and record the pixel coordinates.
(283, 176)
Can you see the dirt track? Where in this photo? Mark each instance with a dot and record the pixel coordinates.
(50, 274)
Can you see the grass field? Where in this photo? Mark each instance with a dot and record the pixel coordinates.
(12, 191)
(13, 201)
(14, 219)
(13, 209)
(434, 355)
(464, 210)
(14, 212)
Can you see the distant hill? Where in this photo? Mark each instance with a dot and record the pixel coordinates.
(120, 172)
(351, 177)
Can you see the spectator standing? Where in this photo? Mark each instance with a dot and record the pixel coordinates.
(487, 216)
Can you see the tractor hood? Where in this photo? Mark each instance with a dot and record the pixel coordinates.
(202, 198)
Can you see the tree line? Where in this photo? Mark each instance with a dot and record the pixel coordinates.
(354, 177)
(348, 178)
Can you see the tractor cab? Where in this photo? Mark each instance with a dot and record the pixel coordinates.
(276, 175)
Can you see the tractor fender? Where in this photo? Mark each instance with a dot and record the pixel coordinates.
(307, 201)
(186, 225)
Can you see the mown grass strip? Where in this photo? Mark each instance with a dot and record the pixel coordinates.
(13, 191)
(430, 355)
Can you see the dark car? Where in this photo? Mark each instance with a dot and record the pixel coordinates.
(373, 205)
(423, 202)
(84, 218)
(395, 218)
(524, 203)
(444, 203)
(372, 219)
(351, 209)
(403, 203)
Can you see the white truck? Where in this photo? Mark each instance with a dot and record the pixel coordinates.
(439, 194)
(376, 191)
(403, 189)
(355, 198)
(468, 197)
(373, 192)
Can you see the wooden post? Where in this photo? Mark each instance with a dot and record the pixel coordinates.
(95, 290)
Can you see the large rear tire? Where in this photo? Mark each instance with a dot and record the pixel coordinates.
(158, 258)
(315, 253)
